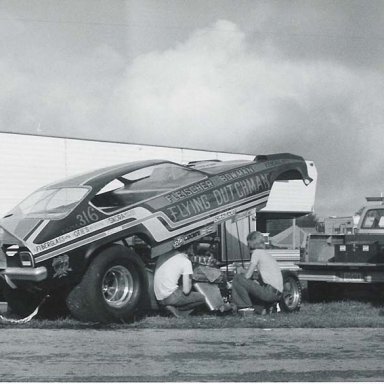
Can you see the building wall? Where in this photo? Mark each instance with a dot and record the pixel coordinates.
(335, 225)
(29, 162)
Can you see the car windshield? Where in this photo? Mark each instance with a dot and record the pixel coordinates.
(143, 184)
(374, 219)
(52, 203)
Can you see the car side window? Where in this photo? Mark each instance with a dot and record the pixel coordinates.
(107, 199)
(143, 184)
(374, 219)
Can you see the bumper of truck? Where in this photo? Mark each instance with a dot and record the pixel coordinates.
(342, 276)
(25, 274)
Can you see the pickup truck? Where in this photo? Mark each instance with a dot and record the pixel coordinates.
(330, 260)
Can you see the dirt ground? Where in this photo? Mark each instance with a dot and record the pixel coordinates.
(192, 355)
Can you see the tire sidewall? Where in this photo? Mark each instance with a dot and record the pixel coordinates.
(113, 256)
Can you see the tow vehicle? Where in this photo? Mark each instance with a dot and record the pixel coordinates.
(91, 241)
(330, 261)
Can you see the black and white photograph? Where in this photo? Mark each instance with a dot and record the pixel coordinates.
(190, 191)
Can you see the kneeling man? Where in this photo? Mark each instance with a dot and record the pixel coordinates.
(250, 294)
(180, 300)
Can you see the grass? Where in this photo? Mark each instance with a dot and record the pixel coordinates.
(324, 315)
(341, 314)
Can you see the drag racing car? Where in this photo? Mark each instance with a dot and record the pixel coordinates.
(90, 242)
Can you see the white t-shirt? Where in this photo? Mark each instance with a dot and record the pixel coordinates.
(268, 268)
(169, 268)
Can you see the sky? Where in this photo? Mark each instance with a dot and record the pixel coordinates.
(254, 77)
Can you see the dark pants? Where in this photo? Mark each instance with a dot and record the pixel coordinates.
(184, 302)
(248, 293)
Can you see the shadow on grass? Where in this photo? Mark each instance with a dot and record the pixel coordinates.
(339, 314)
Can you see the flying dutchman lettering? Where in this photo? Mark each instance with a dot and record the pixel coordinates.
(218, 197)
(244, 186)
(238, 189)
(190, 208)
(259, 184)
(224, 195)
(198, 204)
(184, 209)
(264, 178)
(221, 196)
(206, 202)
(173, 212)
(253, 183)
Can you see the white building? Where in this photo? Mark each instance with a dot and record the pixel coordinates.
(29, 162)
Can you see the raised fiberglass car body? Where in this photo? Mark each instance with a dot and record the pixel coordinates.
(74, 238)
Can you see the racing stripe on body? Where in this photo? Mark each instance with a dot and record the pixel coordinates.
(36, 231)
(218, 209)
(98, 225)
(153, 225)
(138, 214)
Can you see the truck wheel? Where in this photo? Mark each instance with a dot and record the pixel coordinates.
(318, 291)
(111, 289)
(292, 294)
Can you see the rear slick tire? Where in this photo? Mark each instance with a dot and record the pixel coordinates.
(112, 288)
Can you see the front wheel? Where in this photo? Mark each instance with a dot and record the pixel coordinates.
(292, 294)
(111, 289)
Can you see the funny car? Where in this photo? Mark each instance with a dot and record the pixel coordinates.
(91, 241)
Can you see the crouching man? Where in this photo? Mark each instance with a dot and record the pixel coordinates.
(251, 295)
(179, 300)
